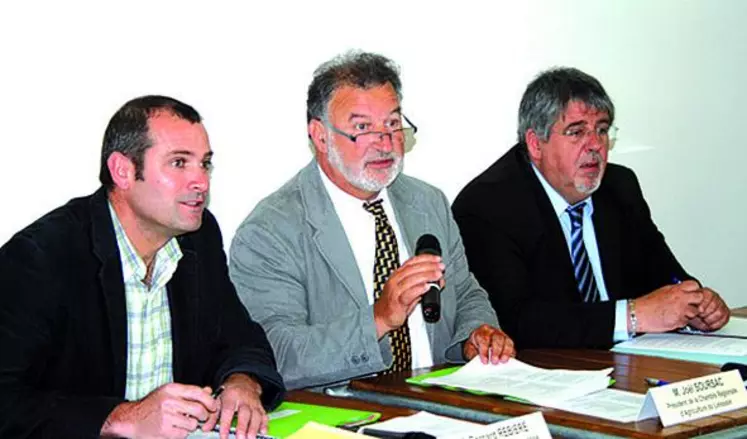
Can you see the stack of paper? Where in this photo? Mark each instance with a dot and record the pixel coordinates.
(520, 380)
(522, 427)
(711, 350)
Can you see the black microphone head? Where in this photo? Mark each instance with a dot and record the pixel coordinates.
(742, 368)
(428, 245)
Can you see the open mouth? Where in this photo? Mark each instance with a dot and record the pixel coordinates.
(380, 164)
(194, 204)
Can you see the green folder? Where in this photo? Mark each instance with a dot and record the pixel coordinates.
(289, 417)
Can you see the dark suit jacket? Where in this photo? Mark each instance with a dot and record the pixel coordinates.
(63, 324)
(516, 249)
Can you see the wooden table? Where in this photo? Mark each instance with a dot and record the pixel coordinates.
(629, 374)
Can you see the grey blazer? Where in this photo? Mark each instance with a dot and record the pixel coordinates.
(296, 274)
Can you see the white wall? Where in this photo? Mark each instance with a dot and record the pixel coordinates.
(674, 68)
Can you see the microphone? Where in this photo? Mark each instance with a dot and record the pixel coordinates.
(431, 302)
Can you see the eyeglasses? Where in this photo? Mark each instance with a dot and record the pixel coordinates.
(607, 134)
(398, 133)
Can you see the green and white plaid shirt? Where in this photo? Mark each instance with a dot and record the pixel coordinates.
(149, 346)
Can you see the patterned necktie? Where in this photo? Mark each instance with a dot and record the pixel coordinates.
(587, 286)
(387, 261)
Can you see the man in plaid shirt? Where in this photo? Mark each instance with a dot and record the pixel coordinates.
(117, 316)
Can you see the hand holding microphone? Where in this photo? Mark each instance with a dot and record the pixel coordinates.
(407, 285)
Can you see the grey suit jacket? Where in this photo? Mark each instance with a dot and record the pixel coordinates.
(295, 272)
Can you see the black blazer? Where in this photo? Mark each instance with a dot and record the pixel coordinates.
(516, 249)
(63, 327)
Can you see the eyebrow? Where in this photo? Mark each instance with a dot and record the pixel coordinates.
(207, 155)
(397, 110)
(578, 123)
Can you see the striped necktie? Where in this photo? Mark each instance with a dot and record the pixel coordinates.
(587, 286)
(387, 261)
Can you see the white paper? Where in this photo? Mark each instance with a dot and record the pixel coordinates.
(520, 380)
(737, 327)
(521, 427)
(613, 404)
(531, 426)
(688, 343)
(424, 422)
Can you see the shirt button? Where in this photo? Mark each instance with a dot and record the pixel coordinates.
(355, 359)
(364, 358)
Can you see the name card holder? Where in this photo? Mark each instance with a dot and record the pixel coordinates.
(531, 426)
(695, 398)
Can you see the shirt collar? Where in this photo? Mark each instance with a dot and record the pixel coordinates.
(559, 204)
(133, 266)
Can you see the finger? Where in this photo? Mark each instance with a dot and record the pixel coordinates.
(226, 418)
(183, 407)
(483, 348)
(693, 297)
(497, 344)
(420, 259)
(180, 422)
(688, 285)
(720, 323)
(194, 393)
(709, 305)
(255, 422)
(242, 425)
(469, 350)
(691, 311)
(508, 348)
(212, 421)
(265, 423)
(413, 293)
(699, 324)
(718, 314)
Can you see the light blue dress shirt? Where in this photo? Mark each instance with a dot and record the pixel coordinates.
(559, 205)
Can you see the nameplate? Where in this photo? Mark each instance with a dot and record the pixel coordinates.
(697, 398)
(531, 426)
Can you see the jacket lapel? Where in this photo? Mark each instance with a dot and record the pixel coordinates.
(551, 233)
(329, 236)
(608, 232)
(111, 284)
(413, 223)
(183, 296)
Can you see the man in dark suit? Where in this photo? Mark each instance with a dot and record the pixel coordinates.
(117, 315)
(563, 267)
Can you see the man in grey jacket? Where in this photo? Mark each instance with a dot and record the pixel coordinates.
(327, 263)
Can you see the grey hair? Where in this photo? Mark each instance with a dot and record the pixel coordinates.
(355, 68)
(547, 96)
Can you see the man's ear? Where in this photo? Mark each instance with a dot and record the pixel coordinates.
(318, 135)
(122, 170)
(533, 145)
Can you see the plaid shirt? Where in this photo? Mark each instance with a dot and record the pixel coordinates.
(149, 346)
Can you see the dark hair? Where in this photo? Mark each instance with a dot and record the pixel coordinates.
(127, 131)
(547, 96)
(359, 69)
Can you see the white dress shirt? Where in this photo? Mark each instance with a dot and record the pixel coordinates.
(360, 229)
(559, 204)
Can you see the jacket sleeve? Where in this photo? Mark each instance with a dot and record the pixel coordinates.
(242, 345)
(473, 308)
(30, 314)
(267, 267)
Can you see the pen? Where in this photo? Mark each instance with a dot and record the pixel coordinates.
(396, 435)
(216, 393)
(655, 382)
